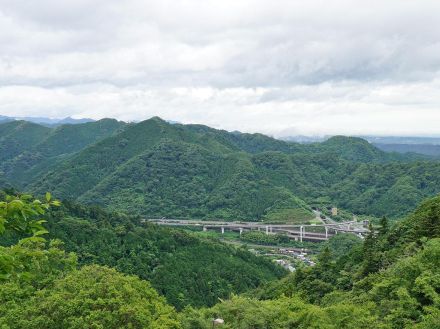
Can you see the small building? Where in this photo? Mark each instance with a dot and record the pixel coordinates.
(334, 211)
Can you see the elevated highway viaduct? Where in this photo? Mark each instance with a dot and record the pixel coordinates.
(319, 232)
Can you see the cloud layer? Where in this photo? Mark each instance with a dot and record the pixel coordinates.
(279, 67)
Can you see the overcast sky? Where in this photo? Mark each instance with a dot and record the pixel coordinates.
(277, 67)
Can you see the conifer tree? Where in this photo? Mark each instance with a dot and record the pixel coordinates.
(384, 226)
(370, 263)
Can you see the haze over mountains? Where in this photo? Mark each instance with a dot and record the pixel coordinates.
(401, 144)
(46, 121)
(157, 169)
(154, 168)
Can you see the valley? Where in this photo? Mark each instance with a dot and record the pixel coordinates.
(209, 223)
(157, 169)
(306, 232)
(219, 164)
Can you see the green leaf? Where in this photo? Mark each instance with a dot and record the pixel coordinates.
(2, 225)
(41, 232)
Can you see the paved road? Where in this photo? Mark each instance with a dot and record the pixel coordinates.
(297, 232)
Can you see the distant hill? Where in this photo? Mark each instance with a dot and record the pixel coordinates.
(4, 119)
(413, 140)
(304, 139)
(154, 168)
(426, 149)
(29, 149)
(46, 121)
(429, 146)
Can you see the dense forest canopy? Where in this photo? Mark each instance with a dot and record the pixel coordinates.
(186, 269)
(42, 287)
(154, 168)
(389, 280)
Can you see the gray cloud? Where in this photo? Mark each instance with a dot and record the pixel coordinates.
(317, 66)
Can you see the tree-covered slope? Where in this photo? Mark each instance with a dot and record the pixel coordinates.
(154, 168)
(178, 179)
(32, 149)
(89, 167)
(17, 137)
(70, 138)
(391, 189)
(355, 149)
(44, 289)
(186, 269)
(389, 281)
(157, 169)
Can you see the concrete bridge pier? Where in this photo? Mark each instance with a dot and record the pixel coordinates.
(297, 232)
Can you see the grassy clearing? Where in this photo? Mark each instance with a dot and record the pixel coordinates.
(290, 216)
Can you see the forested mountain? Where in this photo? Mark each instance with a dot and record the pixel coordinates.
(49, 122)
(389, 280)
(428, 149)
(17, 137)
(29, 149)
(186, 269)
(154, 168)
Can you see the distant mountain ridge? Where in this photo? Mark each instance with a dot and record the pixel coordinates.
(46, 121)
(429, 146)
(27, 149)
(407, 140)
(426, 149)
(154, 168)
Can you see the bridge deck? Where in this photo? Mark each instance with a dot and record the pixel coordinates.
(292, 231)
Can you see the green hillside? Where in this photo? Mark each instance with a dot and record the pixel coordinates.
(157, 169)
(112, 271)
(31, 149)
(186, 269)
(85, 170)
(154, 168)
(70, 138)
(388, 281)
(17, 137)
(178, 179)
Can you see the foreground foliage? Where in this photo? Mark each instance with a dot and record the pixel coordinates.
(40, 286)
(388, 281)
(46, 291)
(186, 269)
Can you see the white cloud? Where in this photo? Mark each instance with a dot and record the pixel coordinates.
(252, 65)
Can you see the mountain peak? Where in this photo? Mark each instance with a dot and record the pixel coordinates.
(156, 118)
(339, 139)
(70, 120)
